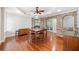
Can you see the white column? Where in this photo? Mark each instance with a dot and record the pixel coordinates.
(2, 18)
(78, 18)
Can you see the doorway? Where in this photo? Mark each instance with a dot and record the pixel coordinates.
(52, 25)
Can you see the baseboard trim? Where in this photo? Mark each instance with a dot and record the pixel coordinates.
(2, 41)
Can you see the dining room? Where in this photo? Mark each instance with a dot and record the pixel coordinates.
(39, 29)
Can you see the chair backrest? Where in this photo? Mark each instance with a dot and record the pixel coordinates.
(24, 31)
(36, 26)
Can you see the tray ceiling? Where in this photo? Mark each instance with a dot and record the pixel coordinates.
(31, 10)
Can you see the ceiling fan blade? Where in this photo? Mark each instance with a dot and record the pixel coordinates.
(41, 10)
(37, 10)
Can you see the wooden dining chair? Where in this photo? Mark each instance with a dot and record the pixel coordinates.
(43, 35)
(21, 32)
(33, 36)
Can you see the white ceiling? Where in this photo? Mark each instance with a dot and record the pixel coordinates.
(48, 10)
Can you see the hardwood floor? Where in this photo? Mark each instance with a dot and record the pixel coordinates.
(71, 43)
(51, 43)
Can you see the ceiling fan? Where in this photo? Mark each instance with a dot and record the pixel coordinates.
(38, 11)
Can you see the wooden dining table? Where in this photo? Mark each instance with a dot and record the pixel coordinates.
(37, 33)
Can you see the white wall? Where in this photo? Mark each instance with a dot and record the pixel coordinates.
(0, 24)
(15, 22)
(2, 19)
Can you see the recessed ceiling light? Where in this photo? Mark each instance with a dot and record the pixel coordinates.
(59, 10)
